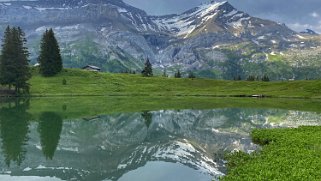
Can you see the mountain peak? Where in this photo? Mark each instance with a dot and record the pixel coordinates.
(218, 5)
(201, 19)
(226, 5)
(214, 5)
(309, 32)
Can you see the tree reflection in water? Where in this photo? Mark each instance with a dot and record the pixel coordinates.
(148, 117)
(14, 131)
(49, 128)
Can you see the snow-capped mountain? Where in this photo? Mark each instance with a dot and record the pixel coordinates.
(117, 37)
(216, 18)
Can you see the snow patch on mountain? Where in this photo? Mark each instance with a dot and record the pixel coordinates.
(232, 13)
(27, 7)
(52, 8)
(183, 151)
(122, 10)
(185, 24)
(238, 24)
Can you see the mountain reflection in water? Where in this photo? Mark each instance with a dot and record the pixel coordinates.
(158, 145)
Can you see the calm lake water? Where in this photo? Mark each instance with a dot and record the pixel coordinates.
(48, 142)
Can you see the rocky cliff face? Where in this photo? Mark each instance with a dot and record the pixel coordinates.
(117, 36)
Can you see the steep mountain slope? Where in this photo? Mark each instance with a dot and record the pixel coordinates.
(218, 18)
(214, 39)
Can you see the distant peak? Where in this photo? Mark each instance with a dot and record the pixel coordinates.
(217, 5)
(227, 5)
(309, 31)
(215, 2)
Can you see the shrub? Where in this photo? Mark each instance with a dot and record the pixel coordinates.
(64, 81)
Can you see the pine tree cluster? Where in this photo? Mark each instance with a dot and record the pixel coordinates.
(14, 63)
(265, 78)
(178, 74)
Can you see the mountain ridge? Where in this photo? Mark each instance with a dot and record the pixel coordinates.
(118, 37)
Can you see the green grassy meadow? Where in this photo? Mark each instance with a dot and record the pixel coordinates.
(83, 83)
(287, 154)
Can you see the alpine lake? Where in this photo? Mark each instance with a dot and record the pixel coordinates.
(135, 139)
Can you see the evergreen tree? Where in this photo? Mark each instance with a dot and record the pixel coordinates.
(251, 78)
(49, 59)
(265, 78)
(6, 59)
(14, 64)
(165, 73)
(148, 69)
(191, 75)
(22, 74)
(178, 74)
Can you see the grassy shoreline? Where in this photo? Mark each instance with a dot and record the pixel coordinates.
(287, 154)
(98, 105)
(84, 83)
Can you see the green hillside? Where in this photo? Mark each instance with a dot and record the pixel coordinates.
(83, 83)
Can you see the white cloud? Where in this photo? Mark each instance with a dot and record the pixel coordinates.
(314, 15)
(300, 27)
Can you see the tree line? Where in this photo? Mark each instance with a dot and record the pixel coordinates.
(14, 59)
(148, 72)
(14, 129)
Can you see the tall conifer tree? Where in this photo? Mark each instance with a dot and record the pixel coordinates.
(6, 59)
(50, 58)
(148, 69)
(14, 63)
(22, 73)
(178, 74)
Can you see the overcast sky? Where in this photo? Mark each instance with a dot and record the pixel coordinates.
(297, 14)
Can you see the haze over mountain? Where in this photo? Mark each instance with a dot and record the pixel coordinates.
(213, 39)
